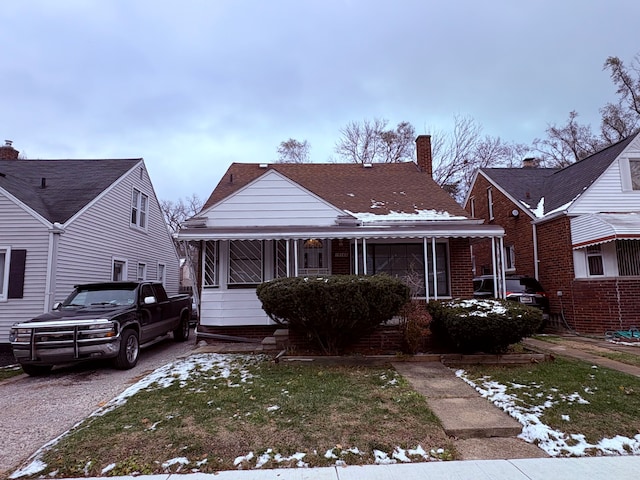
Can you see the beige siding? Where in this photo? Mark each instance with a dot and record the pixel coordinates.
(272, 200)
(103, 231)
(20, 230)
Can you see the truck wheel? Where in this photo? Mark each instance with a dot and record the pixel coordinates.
(129, 350)
(181, 334)
(37, 370)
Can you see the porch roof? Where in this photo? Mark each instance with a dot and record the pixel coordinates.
(439, 229)
(596, 228)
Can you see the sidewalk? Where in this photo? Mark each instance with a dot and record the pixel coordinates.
(592, 468)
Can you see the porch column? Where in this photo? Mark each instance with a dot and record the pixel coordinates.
(364, 256)
(355, 255)
(503, 280)
(425, 248)
(295, 257)
(494, 267)
(435, 268)
(288, 255)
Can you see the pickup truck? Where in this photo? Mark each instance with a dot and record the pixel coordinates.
(109, 320)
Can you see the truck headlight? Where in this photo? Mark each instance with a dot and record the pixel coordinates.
(22, 335)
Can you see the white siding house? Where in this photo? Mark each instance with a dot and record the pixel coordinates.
(267, 221)
(64, 222)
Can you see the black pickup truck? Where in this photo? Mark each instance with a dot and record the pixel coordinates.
(100, 320)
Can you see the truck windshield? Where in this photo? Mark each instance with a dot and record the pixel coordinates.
(85, 298)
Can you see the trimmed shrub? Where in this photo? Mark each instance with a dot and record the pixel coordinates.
(333, 311)
(482, 325)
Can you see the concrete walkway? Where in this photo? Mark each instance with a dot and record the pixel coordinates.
(584, 348)
(481, 430)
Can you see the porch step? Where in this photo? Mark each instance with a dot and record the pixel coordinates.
(282, 338)
(269, 344)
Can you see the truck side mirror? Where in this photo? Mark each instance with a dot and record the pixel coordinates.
(57, 305)
(149, 300)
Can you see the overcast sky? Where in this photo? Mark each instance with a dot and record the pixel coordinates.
(193, 85)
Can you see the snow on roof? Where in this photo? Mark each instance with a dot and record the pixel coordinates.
(417, 215)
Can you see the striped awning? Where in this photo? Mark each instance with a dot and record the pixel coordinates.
(596, 228)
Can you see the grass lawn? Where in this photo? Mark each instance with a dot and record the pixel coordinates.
(567, 407)
(222, 412)
(10, 371)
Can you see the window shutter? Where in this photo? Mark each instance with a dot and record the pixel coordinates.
(16, 273)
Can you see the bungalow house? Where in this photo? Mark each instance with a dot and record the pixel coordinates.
(264, 221)
(64, 222)
(576, 229)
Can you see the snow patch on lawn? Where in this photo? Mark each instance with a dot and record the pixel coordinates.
(554, 442)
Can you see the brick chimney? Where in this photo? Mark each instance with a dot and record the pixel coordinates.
(7, 152)
(530, 162)
(423, 153)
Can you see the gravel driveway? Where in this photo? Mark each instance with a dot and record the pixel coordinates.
(35, 410)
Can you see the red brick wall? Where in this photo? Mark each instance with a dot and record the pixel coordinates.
(460, 267)
(518, 230)
(341, 257)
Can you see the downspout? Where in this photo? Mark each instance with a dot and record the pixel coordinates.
(52, 266)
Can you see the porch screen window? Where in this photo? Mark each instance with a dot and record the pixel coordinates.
(245, 262)
(406, 261)
(280, 255)
(628, 253)
(139, 205)
(594, 260)
(211, 264)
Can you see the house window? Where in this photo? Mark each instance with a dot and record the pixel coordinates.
(314, 257)
(594, 260)
(119, 270)
(210, 264)
(139, 206)
(406, 261)
(634, 168)
(245, 262)
(628, 254)
(472, 206)
(161, 272)
(4, 273)
(509, 257)
(142, 272)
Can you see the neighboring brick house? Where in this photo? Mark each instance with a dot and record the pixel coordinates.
(576, 229)
(264, 221)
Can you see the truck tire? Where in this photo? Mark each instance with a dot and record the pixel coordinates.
(181, 334)
(37, 370)
(129, 350)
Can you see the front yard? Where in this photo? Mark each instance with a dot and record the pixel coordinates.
(215, 412)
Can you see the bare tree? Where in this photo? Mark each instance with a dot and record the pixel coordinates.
(567, 144)
(293, 151)
(621, 119)
(175, 213)
(370, 142)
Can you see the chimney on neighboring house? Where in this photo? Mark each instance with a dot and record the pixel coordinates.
(423, 154)
(530, 162)
(7, 152)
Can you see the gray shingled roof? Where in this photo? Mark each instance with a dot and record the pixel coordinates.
(558, 186)
(69, 184)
